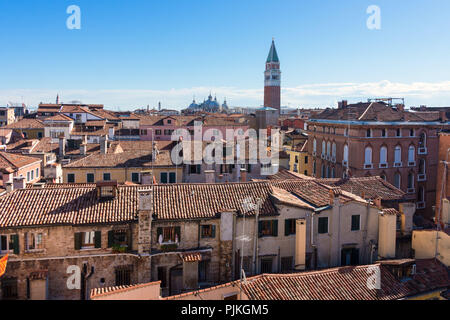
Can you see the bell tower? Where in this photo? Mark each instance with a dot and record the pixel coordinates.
(272, 80)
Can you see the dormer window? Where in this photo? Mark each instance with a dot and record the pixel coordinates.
(107, 189)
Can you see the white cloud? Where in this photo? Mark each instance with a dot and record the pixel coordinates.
(310, 95)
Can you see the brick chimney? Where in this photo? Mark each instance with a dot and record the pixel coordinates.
(104, 145)
(443, 116)
(210, 176)
(62, 146)
(83, 149)
(19, 183)
(9, 187)
(334, 195)
(243, 175)
(377, 202)
(342, 104)
(145, 221)
(400, 107)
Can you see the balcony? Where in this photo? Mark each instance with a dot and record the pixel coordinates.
(420, 205)
(368, 166)
(423, 150)
(421, 177)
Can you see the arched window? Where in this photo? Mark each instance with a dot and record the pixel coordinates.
(398, 154)
(410, 180)
(333, 150)
(315, 145)
(323, 171)
(314, 168)
(383, 133)
(399, 133)
(422, 166)
(323, 147)
(411, 155)
(421, 194)
(398, 180)
(346, 132)
(345, 155)
(423, 143)
(328, 148)
(333, 172)
(368, 156)
(328, 172)
(369, 133)
(383, 155)
(383, 176)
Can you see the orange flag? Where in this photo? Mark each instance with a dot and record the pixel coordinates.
(3, 262)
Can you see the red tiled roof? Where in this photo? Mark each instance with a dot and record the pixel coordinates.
(15, 161)
(97, 292)
(26, 124)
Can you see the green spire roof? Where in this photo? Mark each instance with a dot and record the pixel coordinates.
(273, 56)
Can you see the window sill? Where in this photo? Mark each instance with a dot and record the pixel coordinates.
(90, 249)
(35, 251)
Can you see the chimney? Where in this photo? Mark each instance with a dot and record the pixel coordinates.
(9, 187)
(377, 202)
(334, 195)
(85, 140)
(400, 107)
(423, 108)
(83, 149)
(145, 220)
(146, 177)
(443, 116)
(210, 176)
(300, 245)
(387, 233)
(342, 104)
(104, 145)
(19, 183)
(243, 175)
(62, 146)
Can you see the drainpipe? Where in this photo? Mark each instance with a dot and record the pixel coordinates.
(312, 240)
(256, 239)
(233, 254)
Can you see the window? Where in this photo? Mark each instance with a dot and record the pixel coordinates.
(356, 219)
(135, 177)
(28, 176)
(333, 173)
(328, 148)
(333, 151)
(397, 180)
(421, 194)
(163, 177)
(368, 156)
(172, 177)
(9, 243)
(314, 168)
(203, 270)
(88, 240)
(286, 264)
(227, 168)
(383, 155)
(323, 171)
(350, 257)
(323, 225)
(411, 132)
(268, 228)
(306, 159)
(398, 154)
(119, 239)
(410, 180)
(123, 276)
(383, 133)
(71, 178)
(346, 132)
(32, 174)
(422, 166)
(345, 155)
(411, 155)
(289, 226)
(37, 172)
(266, 265)
(9, 288)
(106, 176)
(398, 132)
(195, 169)
(90, 178)
(369, 133)
(39, 135)
(168, 234)
(208, 231)
(33, 241)
(323, 147)
(314, 145)
(158, 132)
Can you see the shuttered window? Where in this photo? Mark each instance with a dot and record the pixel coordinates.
(323, 225)
(289, 227)
(268, 228)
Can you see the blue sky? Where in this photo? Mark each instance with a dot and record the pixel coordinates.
(133, 53)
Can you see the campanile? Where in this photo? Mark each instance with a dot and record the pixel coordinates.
(272, 80)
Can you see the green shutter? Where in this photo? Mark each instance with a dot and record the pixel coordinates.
(77, 238)
(275, 228)
(178, 232)
(260, 227)
(16, 247)
(213, 233)
(199, 169)
(287, 227)
(110, 238)
(98, 239)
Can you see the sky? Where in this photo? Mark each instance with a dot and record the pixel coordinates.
(130, 54)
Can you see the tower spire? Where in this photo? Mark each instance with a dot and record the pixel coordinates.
(272, 79)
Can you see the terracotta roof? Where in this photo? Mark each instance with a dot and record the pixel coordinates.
(346, 283)
(15, 161)
(23, 146)
(97, 292)
(58, 117)
(26, 124)
(128, 159)
(66, 205)
(191, 256)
